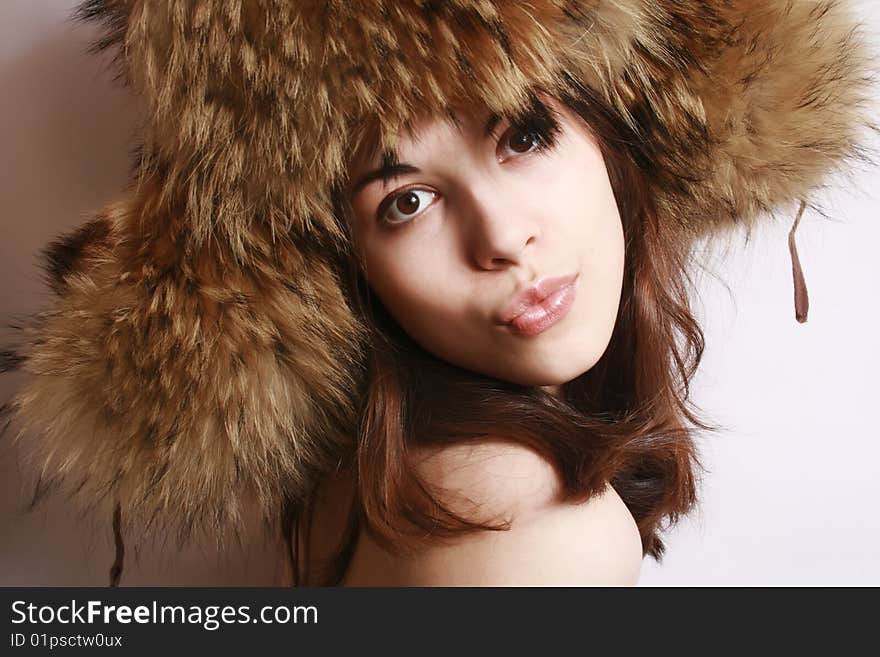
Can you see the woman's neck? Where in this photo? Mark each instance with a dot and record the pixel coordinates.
(553, 390)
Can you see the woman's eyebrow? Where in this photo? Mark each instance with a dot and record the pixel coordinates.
(384, 172)
(391, 167)
(491, 123)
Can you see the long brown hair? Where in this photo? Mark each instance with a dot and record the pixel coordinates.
(627, 421)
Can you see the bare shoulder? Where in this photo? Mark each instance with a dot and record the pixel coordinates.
(548, 543)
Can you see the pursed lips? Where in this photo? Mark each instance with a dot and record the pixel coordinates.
(532, 296)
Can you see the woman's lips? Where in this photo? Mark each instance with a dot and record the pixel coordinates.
(545, 313)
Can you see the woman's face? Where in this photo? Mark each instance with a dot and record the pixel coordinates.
(469, 216)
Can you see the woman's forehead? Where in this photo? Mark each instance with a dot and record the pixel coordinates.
(471, 121)
(393, 145)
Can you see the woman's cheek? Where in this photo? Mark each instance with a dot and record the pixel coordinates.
(403, 285)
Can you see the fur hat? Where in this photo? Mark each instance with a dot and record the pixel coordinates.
(200, 351)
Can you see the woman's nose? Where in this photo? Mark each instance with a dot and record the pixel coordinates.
(502, 225)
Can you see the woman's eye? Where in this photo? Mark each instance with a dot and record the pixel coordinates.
(407, 205)
(517, 142)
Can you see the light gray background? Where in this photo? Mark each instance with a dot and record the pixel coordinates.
(792, 488)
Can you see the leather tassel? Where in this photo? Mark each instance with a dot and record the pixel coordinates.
(801, 298)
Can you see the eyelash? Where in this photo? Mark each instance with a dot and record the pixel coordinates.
(544, 135)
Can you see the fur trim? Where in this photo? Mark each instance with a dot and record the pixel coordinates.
(200, 349)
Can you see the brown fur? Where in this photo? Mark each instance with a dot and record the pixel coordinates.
(201, 349)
